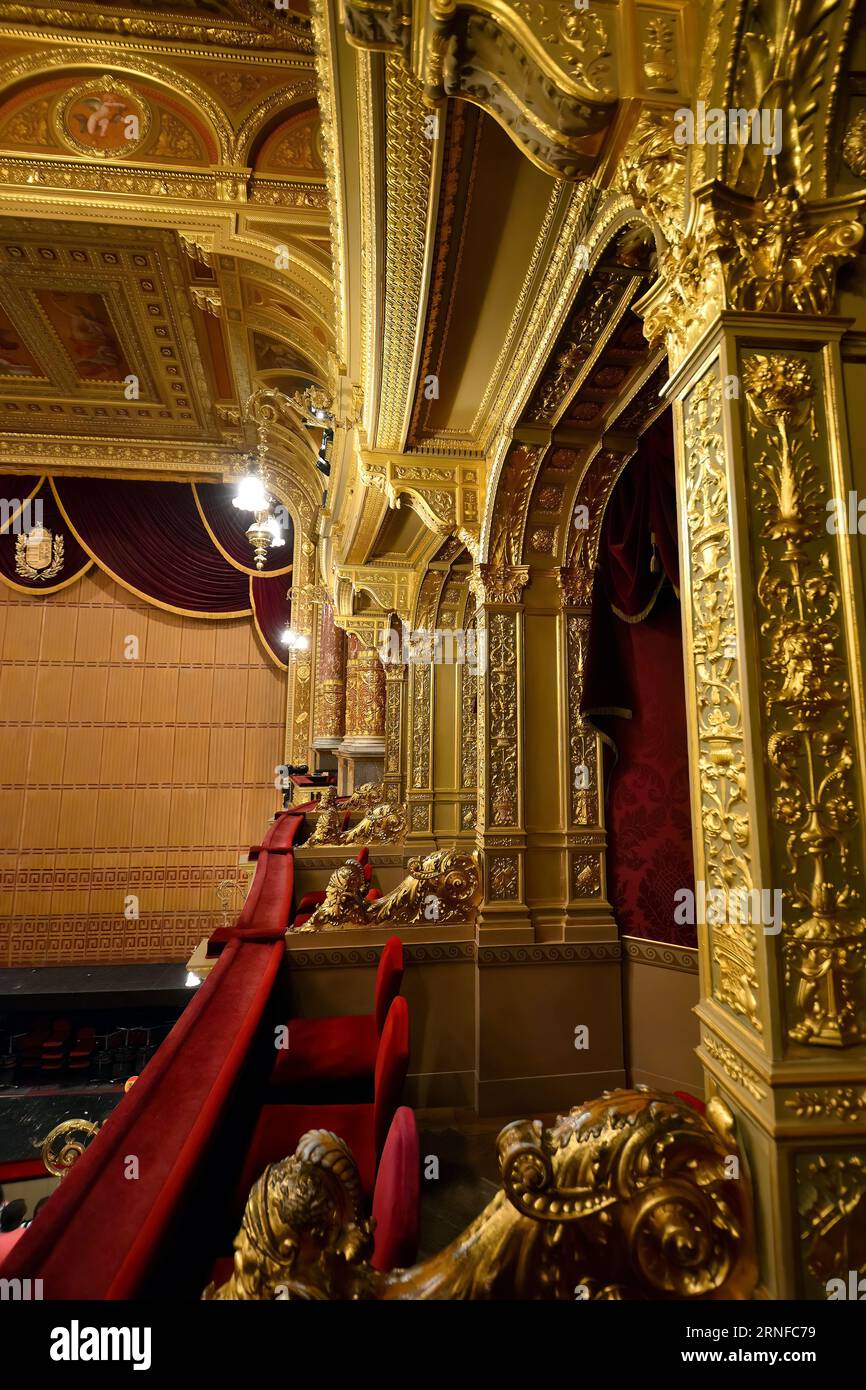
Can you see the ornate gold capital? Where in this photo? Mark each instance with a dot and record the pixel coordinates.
(777, 254)
(498, 584)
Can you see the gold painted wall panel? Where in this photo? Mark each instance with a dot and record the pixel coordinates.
(126, 777)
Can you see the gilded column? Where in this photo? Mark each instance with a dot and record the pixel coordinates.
(588, 909)
(330, 684)
(362, 750)
(774, 620)
(419, 729)
(395, 685)
(501, 832)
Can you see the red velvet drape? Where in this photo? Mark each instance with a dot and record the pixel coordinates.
(179, 546)
(634, 692)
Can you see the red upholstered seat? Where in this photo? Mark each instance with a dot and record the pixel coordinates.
(364, 1127)
(280, 1127)
(397, 1197)
(691, 1100)
(323, 1053)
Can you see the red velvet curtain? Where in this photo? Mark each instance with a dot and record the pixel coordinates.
(634, 693)
(178, 546)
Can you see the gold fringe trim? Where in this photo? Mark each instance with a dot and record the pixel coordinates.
(130, 588)
(640, 617)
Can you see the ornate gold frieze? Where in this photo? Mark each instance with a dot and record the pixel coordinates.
(724, 812)
(632, 1192)
(845, 1103)
(807, 704)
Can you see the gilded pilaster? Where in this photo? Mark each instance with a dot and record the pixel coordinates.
(773, 617)
(395, 685)
(501, 830)
(419, 734)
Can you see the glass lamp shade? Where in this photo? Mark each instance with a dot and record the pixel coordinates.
(251, 495)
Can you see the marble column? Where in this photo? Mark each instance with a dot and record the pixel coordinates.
(329, 726)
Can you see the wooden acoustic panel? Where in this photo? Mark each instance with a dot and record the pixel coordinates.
(126, 777)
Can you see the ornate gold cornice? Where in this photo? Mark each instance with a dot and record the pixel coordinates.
(392, 587)
(446, 493)
(546, 72)
(257, 31)
(778, 254)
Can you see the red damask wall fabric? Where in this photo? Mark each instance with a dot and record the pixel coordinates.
(636, 668)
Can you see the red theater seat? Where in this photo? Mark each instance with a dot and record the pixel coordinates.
(364, 1127)
(324, 1054)
(397, 1197)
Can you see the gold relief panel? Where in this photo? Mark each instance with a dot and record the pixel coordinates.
(502, 714)
(586, 875)
(806, 697)
(469, 695)
(502, 878)
(103, 117)
(831, 1198)
(724, 829)
(422, 684)
(582, 738)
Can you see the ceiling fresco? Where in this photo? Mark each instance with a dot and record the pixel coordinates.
(164, 231)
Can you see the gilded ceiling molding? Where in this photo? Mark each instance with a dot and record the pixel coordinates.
(409, 159)
(284, 98)
(545, 72)
(324, 37)
(167, 28)
(118, 60)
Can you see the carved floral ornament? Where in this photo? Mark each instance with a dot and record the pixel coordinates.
(807, 706)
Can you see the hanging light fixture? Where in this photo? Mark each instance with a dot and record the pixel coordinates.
(295, 641)
(265, 533)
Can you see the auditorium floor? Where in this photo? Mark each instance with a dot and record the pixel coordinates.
(465, 1147)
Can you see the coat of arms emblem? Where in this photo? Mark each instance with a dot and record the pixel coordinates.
(38, 554)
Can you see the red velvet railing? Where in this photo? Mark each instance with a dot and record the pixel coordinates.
(104, 1229)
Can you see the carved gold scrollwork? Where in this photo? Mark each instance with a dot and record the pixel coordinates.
(625, 1197)
(721, 751)
(441, 887)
